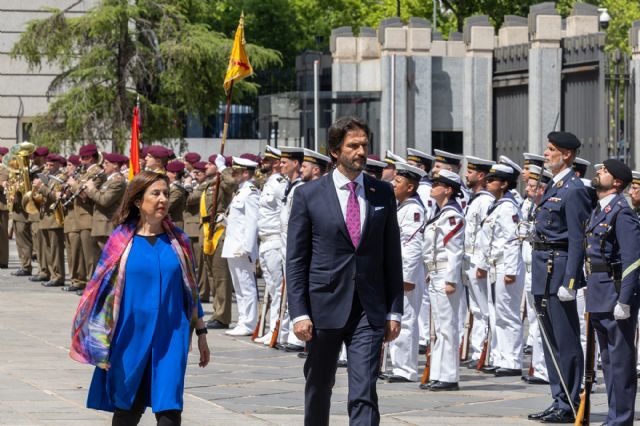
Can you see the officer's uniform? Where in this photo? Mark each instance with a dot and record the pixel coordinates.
(558, 243)
(270, 257)
(177, 203)
(500, 255)
(73, 247)
(613, 261)
(241, 250)
(191, 218)
(214, 265)
(443, 256)
(36, 233)
(106, 199)
(22, 231)
(476, 211)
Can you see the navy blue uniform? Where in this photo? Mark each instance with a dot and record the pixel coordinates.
(613, 258)
(559, 224)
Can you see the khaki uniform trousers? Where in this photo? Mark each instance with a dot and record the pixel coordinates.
(75, 261)
(53, 251)
(217, 271)
(24, 243)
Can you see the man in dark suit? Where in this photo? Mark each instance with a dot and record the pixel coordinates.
(558, 257)
(344, 275)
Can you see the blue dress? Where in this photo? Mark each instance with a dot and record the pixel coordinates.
(151, 339)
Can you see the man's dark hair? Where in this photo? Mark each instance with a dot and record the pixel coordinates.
(339, 130)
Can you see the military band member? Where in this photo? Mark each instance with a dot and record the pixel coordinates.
(38, 160)
(51, 228)
(106, 198)
(443, 255)
(558, 247)
(374, 166)
(241, 245)
(612, 262)
(476, 288)
(157, 158)
(191, 158)
(391, 159)
(269, 254)
(291, 160)
(73, 246)
(4, 212)
(177, 192)
(404, 349)
(83, 208)
(536, 186)
(216, 266)
(499, 260)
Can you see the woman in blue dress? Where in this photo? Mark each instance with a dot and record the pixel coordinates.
(156, 313)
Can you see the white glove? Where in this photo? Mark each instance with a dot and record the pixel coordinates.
(621, 311)
(220, 162)
(566, 294)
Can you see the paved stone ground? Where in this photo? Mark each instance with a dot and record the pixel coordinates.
(246, 384)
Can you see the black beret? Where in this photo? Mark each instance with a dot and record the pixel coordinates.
(564, 140)
(618, 170)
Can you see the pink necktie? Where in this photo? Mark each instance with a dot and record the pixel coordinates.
(353, 214)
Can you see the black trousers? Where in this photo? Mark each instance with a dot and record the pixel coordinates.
(131, 417)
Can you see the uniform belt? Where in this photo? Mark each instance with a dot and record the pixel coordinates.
(273, 237)
(598, 267)
(436, 266)
(551, 245)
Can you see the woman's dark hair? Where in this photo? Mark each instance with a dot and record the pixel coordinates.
(339, 130)
(135, 192)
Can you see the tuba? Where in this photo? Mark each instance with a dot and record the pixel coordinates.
(17, 160)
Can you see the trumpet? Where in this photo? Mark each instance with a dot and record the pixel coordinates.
(99, 178)
(61, 186)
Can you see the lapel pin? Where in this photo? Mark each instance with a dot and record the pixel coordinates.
(372, 189)
(559, 184)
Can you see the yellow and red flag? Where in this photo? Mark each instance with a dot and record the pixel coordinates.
(239, 66)
(134, 155)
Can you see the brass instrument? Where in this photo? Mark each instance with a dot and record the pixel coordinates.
(58, 186)
(99, 177)
(17, 161)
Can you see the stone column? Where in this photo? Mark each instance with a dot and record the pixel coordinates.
(419, 80)
(545, 73)
(634, 39)
(393, 40)
(344, 69)
(479, 41)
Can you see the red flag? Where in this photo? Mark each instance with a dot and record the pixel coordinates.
(134, 156)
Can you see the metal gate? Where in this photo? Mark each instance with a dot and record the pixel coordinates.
(511, 101)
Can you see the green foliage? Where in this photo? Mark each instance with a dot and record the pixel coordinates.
(162, 50)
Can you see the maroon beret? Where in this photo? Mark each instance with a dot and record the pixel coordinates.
(212, 158)
(159, 151)
(251, 157)
(74, 159)
(228, 161)
(88, 150)
(55, 157)
(41, 151)
(200, 165)
(192, 157)
(115, 158)
(144, 151)
(4, 150)
(175, 166)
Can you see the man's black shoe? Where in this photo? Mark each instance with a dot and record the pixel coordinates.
(304, 355)
(21, 273)
(490, 369)
(558, 416)
(507, 372)
(72, 288)
(288, 347)
(444, 386)
(473, 364)
(53, 283)
(80, 292)
(216, 325)
(382, 376)
(422, 349)
(528, 350)
(541, 414)
(38, 278)
(393, 378)
(428, 384)
(533, 380)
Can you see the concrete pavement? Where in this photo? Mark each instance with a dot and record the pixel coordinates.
(246, 383)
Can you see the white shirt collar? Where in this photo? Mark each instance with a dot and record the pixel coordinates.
(341, 181)
(557, 178)
(606, 200)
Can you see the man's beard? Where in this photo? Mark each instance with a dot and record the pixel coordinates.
(265, 169)
(597, 185)
(352, 165)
